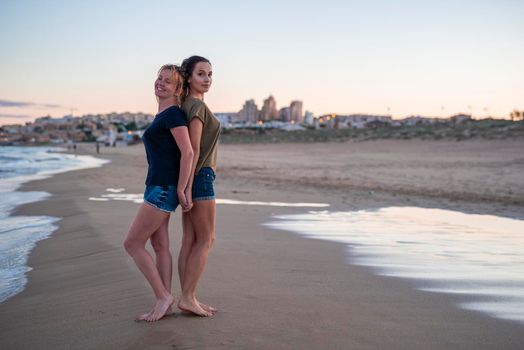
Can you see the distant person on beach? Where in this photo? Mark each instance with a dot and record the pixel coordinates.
(199, 223)
(170, 159)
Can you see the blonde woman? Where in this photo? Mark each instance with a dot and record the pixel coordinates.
(170, 159)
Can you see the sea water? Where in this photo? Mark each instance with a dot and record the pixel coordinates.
(478, 256)
(19, 234)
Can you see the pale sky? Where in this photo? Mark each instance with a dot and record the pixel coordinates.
(432, 58)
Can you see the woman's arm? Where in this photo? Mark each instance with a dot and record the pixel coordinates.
(195, 134)
(181, 136)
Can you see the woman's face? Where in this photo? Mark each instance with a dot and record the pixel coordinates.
(201, 79)
(164, 84)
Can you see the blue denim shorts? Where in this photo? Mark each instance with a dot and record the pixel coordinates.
(164, 198)
(203, 185)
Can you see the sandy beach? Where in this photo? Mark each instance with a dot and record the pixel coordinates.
(274, 290)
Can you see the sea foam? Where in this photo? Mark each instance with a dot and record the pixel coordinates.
(478, 256)
(19, 234)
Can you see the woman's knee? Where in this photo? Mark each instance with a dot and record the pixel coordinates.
(207, 241)
(131, 245)
(159, 245)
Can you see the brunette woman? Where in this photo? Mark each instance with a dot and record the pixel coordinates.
(199, 222)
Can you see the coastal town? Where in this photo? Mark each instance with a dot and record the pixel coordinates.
(120, 129)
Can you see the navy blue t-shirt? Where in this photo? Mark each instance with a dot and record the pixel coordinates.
(163, 154)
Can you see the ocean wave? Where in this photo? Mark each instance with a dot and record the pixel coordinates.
(452, 252)
(19, 234)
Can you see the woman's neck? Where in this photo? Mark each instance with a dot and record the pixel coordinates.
(165, 104)
(197, 95)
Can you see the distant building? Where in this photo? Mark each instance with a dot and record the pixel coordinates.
(57, 121)
(326, 121)
(308, 118)
(421, 120)
(360, 121)
(269, 109)
(284, 114)
(226, 119)
(296, 112)
(460, 118)
(12, 129)
(71, 128)
(248, 113)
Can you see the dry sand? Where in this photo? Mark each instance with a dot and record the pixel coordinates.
(275, 290)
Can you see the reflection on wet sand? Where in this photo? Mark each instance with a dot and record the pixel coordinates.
(479, 256)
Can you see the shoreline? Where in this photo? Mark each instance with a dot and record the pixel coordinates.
(84, 290)
(19, 234)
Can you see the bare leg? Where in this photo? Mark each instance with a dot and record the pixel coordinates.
(146, 222)
(164, 262)
(203, 222)
(188, 241)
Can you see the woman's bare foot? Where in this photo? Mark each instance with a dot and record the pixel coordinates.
(160, 310)
(194, 307)
(207, 307)
(143, 317)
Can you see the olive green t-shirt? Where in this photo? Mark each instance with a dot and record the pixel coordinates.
(195, 108)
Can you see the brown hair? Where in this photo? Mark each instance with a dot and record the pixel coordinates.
(178, 80)
(187, 68)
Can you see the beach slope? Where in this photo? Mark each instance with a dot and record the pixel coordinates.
(273, 289)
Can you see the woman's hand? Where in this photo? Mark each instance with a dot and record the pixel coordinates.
(181, 136)
(189, 198)
(184, 202)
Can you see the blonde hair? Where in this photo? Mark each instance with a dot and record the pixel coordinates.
(178, 80)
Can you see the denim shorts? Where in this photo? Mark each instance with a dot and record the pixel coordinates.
(203, 185)
(164, 197)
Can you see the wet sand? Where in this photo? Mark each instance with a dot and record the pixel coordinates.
(275, 290)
